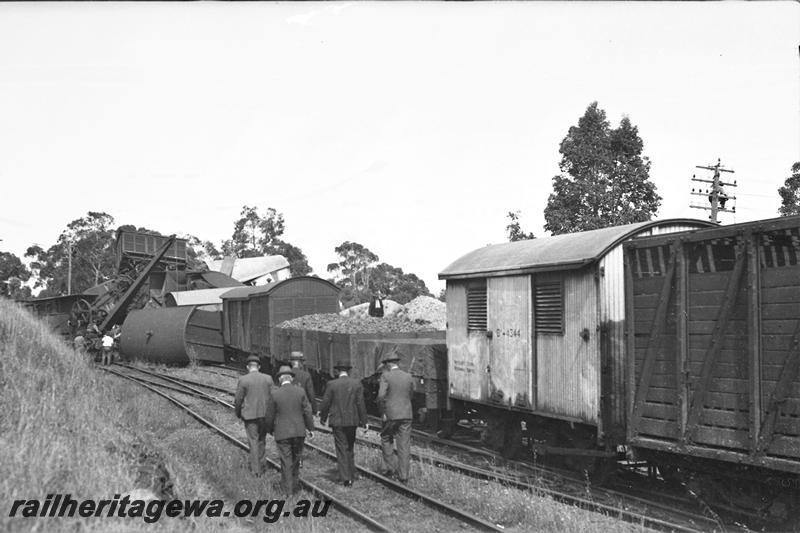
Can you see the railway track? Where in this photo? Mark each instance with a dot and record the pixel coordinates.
(238, 370)
(636, 487)
(223, 374)
(562, 486)
(187, 387)
(606, 501)
(570, 487)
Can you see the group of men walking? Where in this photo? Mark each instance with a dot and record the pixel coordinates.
(286, 410)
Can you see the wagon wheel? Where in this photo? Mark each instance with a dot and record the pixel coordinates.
(82, 312)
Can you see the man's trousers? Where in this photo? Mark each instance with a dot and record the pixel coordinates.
(291, 451)
(344, 438)
(256, 429)
(398, 431)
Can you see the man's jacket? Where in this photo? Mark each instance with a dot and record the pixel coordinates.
(395, 393)
(344, 403)
(289, 413)
(252, 395)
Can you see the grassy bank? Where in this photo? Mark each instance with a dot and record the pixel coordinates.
(66, 428)
(56, 434)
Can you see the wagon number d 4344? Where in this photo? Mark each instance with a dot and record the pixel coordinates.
(507, 332)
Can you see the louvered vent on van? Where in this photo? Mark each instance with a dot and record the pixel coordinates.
(549, 308)
(476, 308)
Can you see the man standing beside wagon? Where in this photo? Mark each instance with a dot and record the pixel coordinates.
(303, 379)
(394, 402)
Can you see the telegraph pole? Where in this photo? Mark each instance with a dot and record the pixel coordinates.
(716, 196)
(69, 268)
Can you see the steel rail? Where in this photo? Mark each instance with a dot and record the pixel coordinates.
(180, 381)
(341, 506)
(202, 369)
(192, 390)
(611, 493)
(226, 367)
(408, 491)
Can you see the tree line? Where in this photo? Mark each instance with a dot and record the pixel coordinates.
(89, 243)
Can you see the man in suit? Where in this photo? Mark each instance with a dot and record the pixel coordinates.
(344, 401)
(289, 417)
(250, 403)
(303, 379)
(394, 402)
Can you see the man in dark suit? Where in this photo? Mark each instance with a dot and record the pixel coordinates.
(250, 403)
(289, 417)
(303, 379)
(394, 402)
(344, 401)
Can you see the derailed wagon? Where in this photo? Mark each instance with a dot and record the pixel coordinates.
(714, 366)
(173, 335)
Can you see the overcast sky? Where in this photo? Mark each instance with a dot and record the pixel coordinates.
(412, 128)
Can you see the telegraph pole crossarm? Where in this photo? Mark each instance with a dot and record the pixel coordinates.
(716, 197)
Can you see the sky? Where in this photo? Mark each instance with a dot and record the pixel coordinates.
(411, 128)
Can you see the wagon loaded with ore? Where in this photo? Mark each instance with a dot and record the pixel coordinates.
(325, 339)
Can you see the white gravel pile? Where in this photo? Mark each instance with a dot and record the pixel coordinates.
(427, 309)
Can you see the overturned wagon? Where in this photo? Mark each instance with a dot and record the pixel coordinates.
(173, 335)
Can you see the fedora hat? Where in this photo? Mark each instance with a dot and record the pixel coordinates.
(344, 365)
(253, 359)
(296, 356)
(390, 357)
(285, 370)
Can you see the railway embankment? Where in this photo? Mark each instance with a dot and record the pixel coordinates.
(58, 435)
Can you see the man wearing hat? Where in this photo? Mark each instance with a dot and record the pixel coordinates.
(344, 401)
(394, 402)
(289, 417)
(251, 401)
(303, 379)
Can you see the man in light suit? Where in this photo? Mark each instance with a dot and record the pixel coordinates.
(289, 417)
(250, 403)
(344, 401)
(394, 402)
